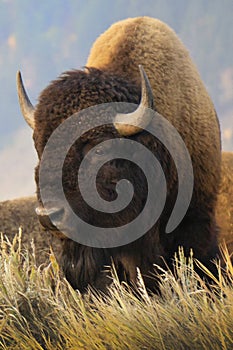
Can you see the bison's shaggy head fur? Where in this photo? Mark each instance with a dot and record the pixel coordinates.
(75, 91)
(181, 97)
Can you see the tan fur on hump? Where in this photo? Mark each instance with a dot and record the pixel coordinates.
(179, 93)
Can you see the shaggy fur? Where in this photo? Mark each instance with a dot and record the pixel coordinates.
(181, 97)
(179, 93)
(21, 212)
(224, 210)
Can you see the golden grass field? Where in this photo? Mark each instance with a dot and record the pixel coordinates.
(39, 309)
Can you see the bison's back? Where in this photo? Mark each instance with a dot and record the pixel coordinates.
(179, 94)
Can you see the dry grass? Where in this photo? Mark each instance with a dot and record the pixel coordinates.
(39, 310)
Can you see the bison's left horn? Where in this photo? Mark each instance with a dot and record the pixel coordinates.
(132, 123)
(27, 109)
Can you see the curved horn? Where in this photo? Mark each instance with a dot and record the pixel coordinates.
(27, 109)
(125, 123)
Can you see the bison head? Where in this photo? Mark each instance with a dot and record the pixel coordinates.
(75, 92)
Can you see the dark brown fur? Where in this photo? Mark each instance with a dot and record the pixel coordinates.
(21, 212)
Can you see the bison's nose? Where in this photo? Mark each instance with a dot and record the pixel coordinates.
(49, 217)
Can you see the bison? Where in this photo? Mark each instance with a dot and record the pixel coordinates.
(171, 85)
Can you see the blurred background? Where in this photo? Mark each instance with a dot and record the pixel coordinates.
(45, 38)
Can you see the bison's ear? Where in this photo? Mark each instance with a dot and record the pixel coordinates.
(27, 109)
(133, 123)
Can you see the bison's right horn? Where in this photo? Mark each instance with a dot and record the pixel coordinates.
(125, 123)
(27, 109)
